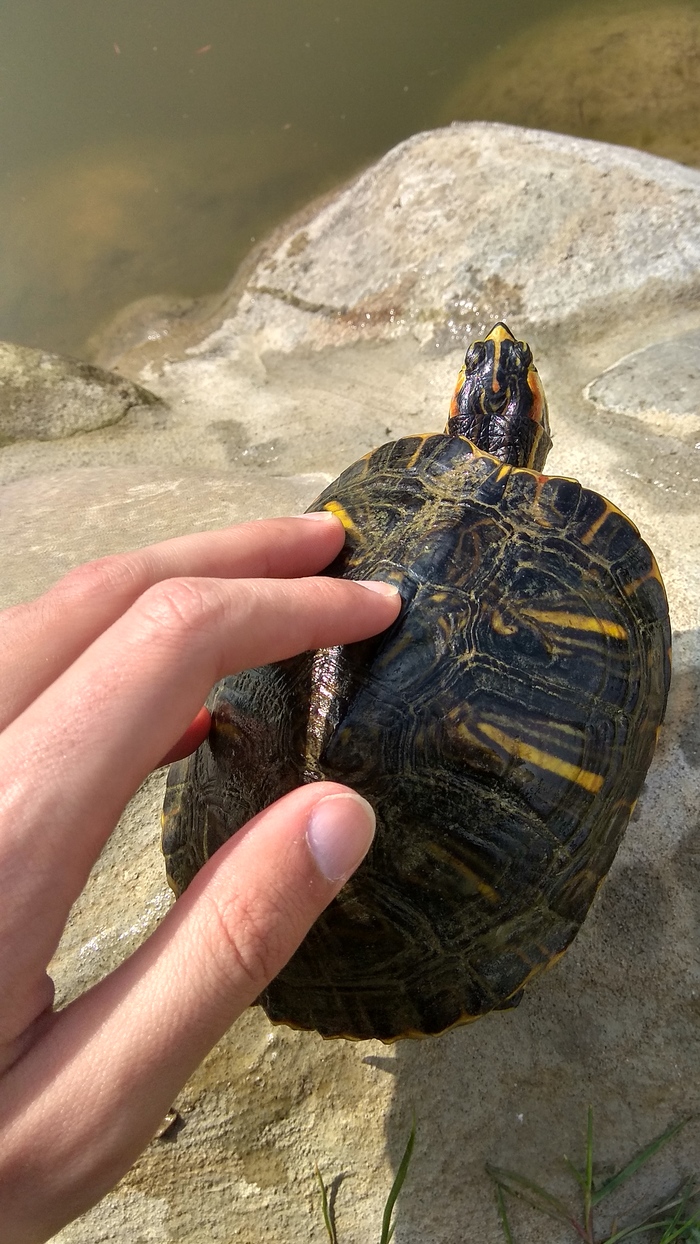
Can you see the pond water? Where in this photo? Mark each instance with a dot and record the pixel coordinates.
(147, 144)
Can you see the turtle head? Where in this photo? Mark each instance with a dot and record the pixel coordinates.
(499, 402)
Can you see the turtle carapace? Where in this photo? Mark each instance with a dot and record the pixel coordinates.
(501, 728)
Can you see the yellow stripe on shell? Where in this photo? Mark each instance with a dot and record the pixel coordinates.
(229, 729)
(598, 522)
(652, 573)
(577, 622)
(543, 760)
(483, 887)
(421, 438)
(500, 626)
(334, 507)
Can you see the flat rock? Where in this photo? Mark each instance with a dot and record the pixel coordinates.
(659, 384)
(46, 396)
(347, 329)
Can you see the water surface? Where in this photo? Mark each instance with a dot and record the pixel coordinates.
(147, 143)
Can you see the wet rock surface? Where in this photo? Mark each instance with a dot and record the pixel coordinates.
(285, 390)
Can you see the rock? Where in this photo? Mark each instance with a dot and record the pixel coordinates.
(618, 73)
(45, 397)
(660, 385)
(150, 322)
(447, 233)
(451, 229)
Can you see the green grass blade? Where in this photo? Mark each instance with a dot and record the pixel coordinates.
(387, 1228)
(671, 1230)
(632, 1167)
(640, 1228)
(503, 1214)
(680, 1227)
(327, 1216)
(531, 1192)
(681, 1205)
(687, 1231)
(577, 1174)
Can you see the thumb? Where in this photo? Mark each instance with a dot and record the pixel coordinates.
(111, 1063)
(250, 907)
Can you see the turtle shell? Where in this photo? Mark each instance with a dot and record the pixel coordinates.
(501, 728)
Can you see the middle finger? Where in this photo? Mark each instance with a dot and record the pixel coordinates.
(40, 639)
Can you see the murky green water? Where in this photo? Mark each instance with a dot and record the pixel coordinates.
(146, 143)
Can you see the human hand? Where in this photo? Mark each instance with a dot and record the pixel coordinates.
(99, 680)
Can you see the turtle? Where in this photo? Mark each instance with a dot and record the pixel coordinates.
(501, 728)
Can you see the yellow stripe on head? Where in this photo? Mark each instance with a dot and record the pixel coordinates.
(538, 410)
(499, 333)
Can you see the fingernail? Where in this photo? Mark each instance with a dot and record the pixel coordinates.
(323, 515)
(340, 833)
(377, 585)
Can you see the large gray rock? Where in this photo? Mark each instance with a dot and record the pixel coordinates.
(455, 227)
(594, 253)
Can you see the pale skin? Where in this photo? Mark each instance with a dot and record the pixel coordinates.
(101, 679)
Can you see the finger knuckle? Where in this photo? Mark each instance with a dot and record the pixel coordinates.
(180, 607)
(113, 575)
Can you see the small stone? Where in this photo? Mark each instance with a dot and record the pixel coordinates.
(46, 397)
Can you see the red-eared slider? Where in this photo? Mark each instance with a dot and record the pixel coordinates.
(501, 728)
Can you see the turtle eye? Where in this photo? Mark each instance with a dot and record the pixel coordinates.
(474, 357)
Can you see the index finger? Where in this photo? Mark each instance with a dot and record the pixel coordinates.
(40, 639)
